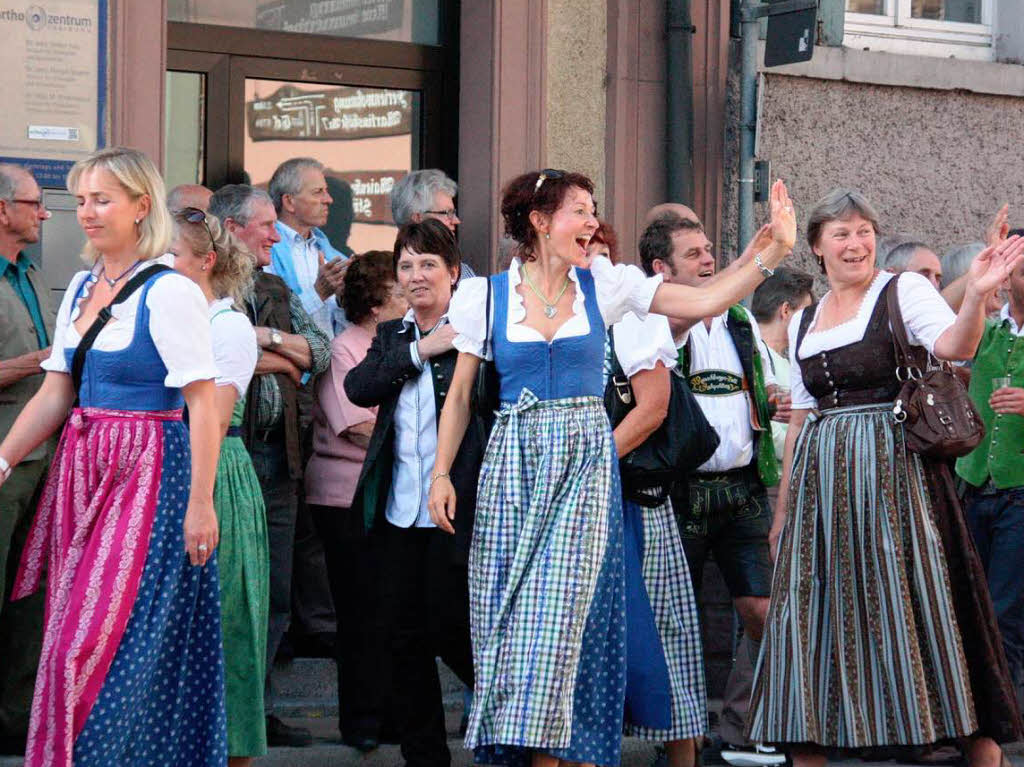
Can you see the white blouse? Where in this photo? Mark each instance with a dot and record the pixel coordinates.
(179, 324)
(925, 314)
(234, 345)
(620, 289)
(640, 344)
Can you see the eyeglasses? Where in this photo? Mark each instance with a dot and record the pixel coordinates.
(545, 175)
(194, 216)
(36, 204)
(450, 214)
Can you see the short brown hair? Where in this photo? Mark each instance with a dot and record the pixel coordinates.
(368, 283)
(606, 235)
(656, 242)
(527, 193)
(428, 236)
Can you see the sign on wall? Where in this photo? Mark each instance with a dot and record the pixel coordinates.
(54, 61)
(346, 18)
(330, 114)
(371, 193)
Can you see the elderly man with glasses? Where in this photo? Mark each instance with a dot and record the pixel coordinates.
(26, 327)
(427, 194)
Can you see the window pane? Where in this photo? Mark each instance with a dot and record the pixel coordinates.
(947, 10)
(411, 21)
(866, 6)
(184, 119)
(367, 138)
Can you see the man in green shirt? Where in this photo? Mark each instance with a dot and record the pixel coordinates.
(26, 328)
(994, 471)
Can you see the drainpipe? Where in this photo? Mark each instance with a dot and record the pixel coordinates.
(749, 28)
(679, 112)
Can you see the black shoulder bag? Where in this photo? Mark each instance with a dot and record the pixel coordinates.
(104, 316)
(487, 385)
(683, 442)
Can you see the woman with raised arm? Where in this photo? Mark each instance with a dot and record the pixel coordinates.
(881, 630)
(546, 563)
(209, 255)
(131, 668)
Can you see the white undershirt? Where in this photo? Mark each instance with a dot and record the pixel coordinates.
(234, 345)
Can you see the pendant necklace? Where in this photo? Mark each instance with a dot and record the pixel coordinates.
(550, 307)
(112, 282)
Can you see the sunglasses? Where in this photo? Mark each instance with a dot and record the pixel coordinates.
(545, 175)
(195, 216)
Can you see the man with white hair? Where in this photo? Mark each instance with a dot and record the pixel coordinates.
(912, 256)
(27, 319)
(428, 194)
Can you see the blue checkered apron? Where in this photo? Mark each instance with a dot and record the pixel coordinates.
(546, 587)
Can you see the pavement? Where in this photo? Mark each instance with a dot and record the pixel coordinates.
(306, 696)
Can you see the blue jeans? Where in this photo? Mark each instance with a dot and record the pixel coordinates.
(996, 521)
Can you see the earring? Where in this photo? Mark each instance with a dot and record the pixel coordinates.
(203, 267)
(547, 236)
(137, 221)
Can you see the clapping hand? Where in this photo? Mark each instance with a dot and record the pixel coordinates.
(999, 228)
(993, 265)
(330, 276)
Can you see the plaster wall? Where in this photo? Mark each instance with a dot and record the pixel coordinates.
(577, 41)
(936, 164)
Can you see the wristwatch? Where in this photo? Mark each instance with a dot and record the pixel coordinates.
(275, 338)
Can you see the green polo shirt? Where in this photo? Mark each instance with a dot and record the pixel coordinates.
(17, 275)
(1000, 456)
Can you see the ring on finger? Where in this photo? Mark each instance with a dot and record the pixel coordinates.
(202, 547)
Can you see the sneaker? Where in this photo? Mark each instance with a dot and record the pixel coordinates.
(281, 734)
(756, 755)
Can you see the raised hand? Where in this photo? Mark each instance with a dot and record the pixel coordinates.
(783, 216)
(999, 228)
(761, 240)
(330, 276)
(994, 264)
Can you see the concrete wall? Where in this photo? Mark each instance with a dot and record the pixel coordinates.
(937, 163)
(577, 36)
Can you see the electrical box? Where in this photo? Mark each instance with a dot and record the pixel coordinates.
(792, 31)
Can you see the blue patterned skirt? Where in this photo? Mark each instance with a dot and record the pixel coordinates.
(546, 587)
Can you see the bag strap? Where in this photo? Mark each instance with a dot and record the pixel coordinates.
(104, 316)
(487, 322)
(905, 357)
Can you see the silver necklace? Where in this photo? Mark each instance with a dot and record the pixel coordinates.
(112, 282)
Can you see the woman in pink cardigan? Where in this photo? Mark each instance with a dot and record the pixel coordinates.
(341, 433)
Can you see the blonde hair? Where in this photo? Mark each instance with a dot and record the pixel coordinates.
(138, 176)
(233, 270)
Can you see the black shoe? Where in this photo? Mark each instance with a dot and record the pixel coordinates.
(364, 744)
(13, 745)
(281, 734)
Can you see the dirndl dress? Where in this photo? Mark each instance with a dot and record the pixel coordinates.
(665, 688)
(243, 560)
(131, 670)
(546, 587)
(880, 630)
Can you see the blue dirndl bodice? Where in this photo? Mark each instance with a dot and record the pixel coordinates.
(131, 378)
(563, 368)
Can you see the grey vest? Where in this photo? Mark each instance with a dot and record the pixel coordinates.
(17, 337)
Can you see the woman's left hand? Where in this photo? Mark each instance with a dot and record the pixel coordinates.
(201, 531)
(994, 264)
(783, 216)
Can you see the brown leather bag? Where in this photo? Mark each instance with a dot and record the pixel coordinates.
(938, 416)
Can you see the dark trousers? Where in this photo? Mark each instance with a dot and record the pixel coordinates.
(280, 495)
(424, 599)
(996, 521)
(364, 667)
(21, 622)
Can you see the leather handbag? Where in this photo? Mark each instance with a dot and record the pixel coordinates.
(683, 442)
(487, 386)
(939, 419)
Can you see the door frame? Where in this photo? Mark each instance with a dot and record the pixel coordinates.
(226, 56)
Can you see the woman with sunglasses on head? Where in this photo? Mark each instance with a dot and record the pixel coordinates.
(546, 564)
(209, 255)
(131, 667)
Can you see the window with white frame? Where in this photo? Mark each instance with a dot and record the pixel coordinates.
(959, 28)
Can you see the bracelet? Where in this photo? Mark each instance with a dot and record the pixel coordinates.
(760, 265)
(439, 475)
(5, 468)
